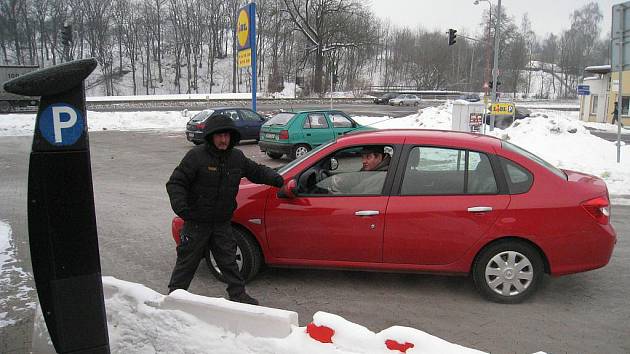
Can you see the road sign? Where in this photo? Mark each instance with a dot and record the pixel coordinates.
(475, 122)
(583, 90)
(245, 58)
(502, 109)
(242, 29)
(61, 124)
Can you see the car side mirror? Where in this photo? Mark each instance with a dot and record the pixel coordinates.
(287, 191)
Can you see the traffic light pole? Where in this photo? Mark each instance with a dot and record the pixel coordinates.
(495, 65)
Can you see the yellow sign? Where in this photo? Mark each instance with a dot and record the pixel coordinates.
(242, 29)
(502, 109)
(245, 58)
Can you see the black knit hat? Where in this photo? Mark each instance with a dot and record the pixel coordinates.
(221, 123)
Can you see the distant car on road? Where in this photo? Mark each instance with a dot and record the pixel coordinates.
(405, 100)
(448, 202)
(384, 99)
(247, 122)
(472, 97)
(294, 134)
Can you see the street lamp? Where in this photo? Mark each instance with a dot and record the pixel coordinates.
(495, 65)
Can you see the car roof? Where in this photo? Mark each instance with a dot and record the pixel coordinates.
(225, 108)
(423, 137)
(315, 111)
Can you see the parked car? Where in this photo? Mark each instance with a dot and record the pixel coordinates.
(294, 134)
(405, 100)
(247, 122)
(450, 202)
(503, 122)
(384, 99)
(471, 97)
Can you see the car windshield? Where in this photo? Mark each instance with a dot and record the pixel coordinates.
(279, 119)
(558, 172)
(201, 116)
(291, 164)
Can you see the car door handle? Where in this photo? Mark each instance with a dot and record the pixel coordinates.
(479, 209)
(308, 134)
(366, 212)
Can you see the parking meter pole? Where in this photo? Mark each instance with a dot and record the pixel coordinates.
(61, 218)
(495, 65)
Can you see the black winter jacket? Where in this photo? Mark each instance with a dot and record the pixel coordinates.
(204, 185)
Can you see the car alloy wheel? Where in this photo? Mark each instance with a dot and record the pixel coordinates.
(300, 150)
(508, 271)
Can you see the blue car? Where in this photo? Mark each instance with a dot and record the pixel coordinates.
(247, 122)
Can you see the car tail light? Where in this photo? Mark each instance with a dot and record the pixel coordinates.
(284, 135)
(599, 209)
(200, 125)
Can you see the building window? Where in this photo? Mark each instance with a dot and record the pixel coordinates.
(625, 103)
(594, 101)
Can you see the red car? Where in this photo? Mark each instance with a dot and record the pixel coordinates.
(449, 202)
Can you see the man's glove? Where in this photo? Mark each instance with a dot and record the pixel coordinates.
(278, 181)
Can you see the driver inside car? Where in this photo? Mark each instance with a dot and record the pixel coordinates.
(368, 180)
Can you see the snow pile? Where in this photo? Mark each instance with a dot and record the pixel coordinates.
(14, 281)
(567, 144)
(439, 117)
(138, 323)
(289, 91)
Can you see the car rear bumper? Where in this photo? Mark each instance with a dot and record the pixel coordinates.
(267, 146)
(579, 253)
(194, 136)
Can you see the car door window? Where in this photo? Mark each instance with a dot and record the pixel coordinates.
(250, 115)
(342, 173)
(232, 114)
(444, 171)
(340, 121)
(315, 121)
(480, 175)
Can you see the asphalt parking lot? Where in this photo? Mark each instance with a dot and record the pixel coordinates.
(582, 313)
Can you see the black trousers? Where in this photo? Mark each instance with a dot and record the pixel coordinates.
(196, 238)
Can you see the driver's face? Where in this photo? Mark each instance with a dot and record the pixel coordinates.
(371, 160)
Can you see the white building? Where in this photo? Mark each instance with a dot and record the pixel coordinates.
(594, 107)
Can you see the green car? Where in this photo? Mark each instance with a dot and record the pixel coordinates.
(296, 133)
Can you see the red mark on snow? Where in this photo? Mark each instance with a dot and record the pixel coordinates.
(320, 333)
(393, 345)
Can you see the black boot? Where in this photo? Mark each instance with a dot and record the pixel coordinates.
(244, 298)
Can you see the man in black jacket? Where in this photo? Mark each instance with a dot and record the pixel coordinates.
(202, 191)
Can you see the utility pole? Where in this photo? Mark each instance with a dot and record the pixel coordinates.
(495, 65)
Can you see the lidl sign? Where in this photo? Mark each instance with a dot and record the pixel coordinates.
(502, 109)
(244, 35)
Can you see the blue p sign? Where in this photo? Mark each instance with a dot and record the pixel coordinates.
(61, 124)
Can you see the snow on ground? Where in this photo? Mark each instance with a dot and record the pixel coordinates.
(136, 323)
(14, 288)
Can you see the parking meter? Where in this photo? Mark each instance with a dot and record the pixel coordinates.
(61, 219)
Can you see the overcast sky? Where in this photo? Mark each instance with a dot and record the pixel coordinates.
(546, 16)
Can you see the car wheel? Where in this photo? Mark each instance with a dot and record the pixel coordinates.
(300, 150)
(415, 104)
(274, 155)
(400, 104)
(248, 257)
(5, 107)
(508, 272)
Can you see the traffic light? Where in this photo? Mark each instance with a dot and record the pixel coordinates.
(451, 36)
(66, 35)
(490, 83)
